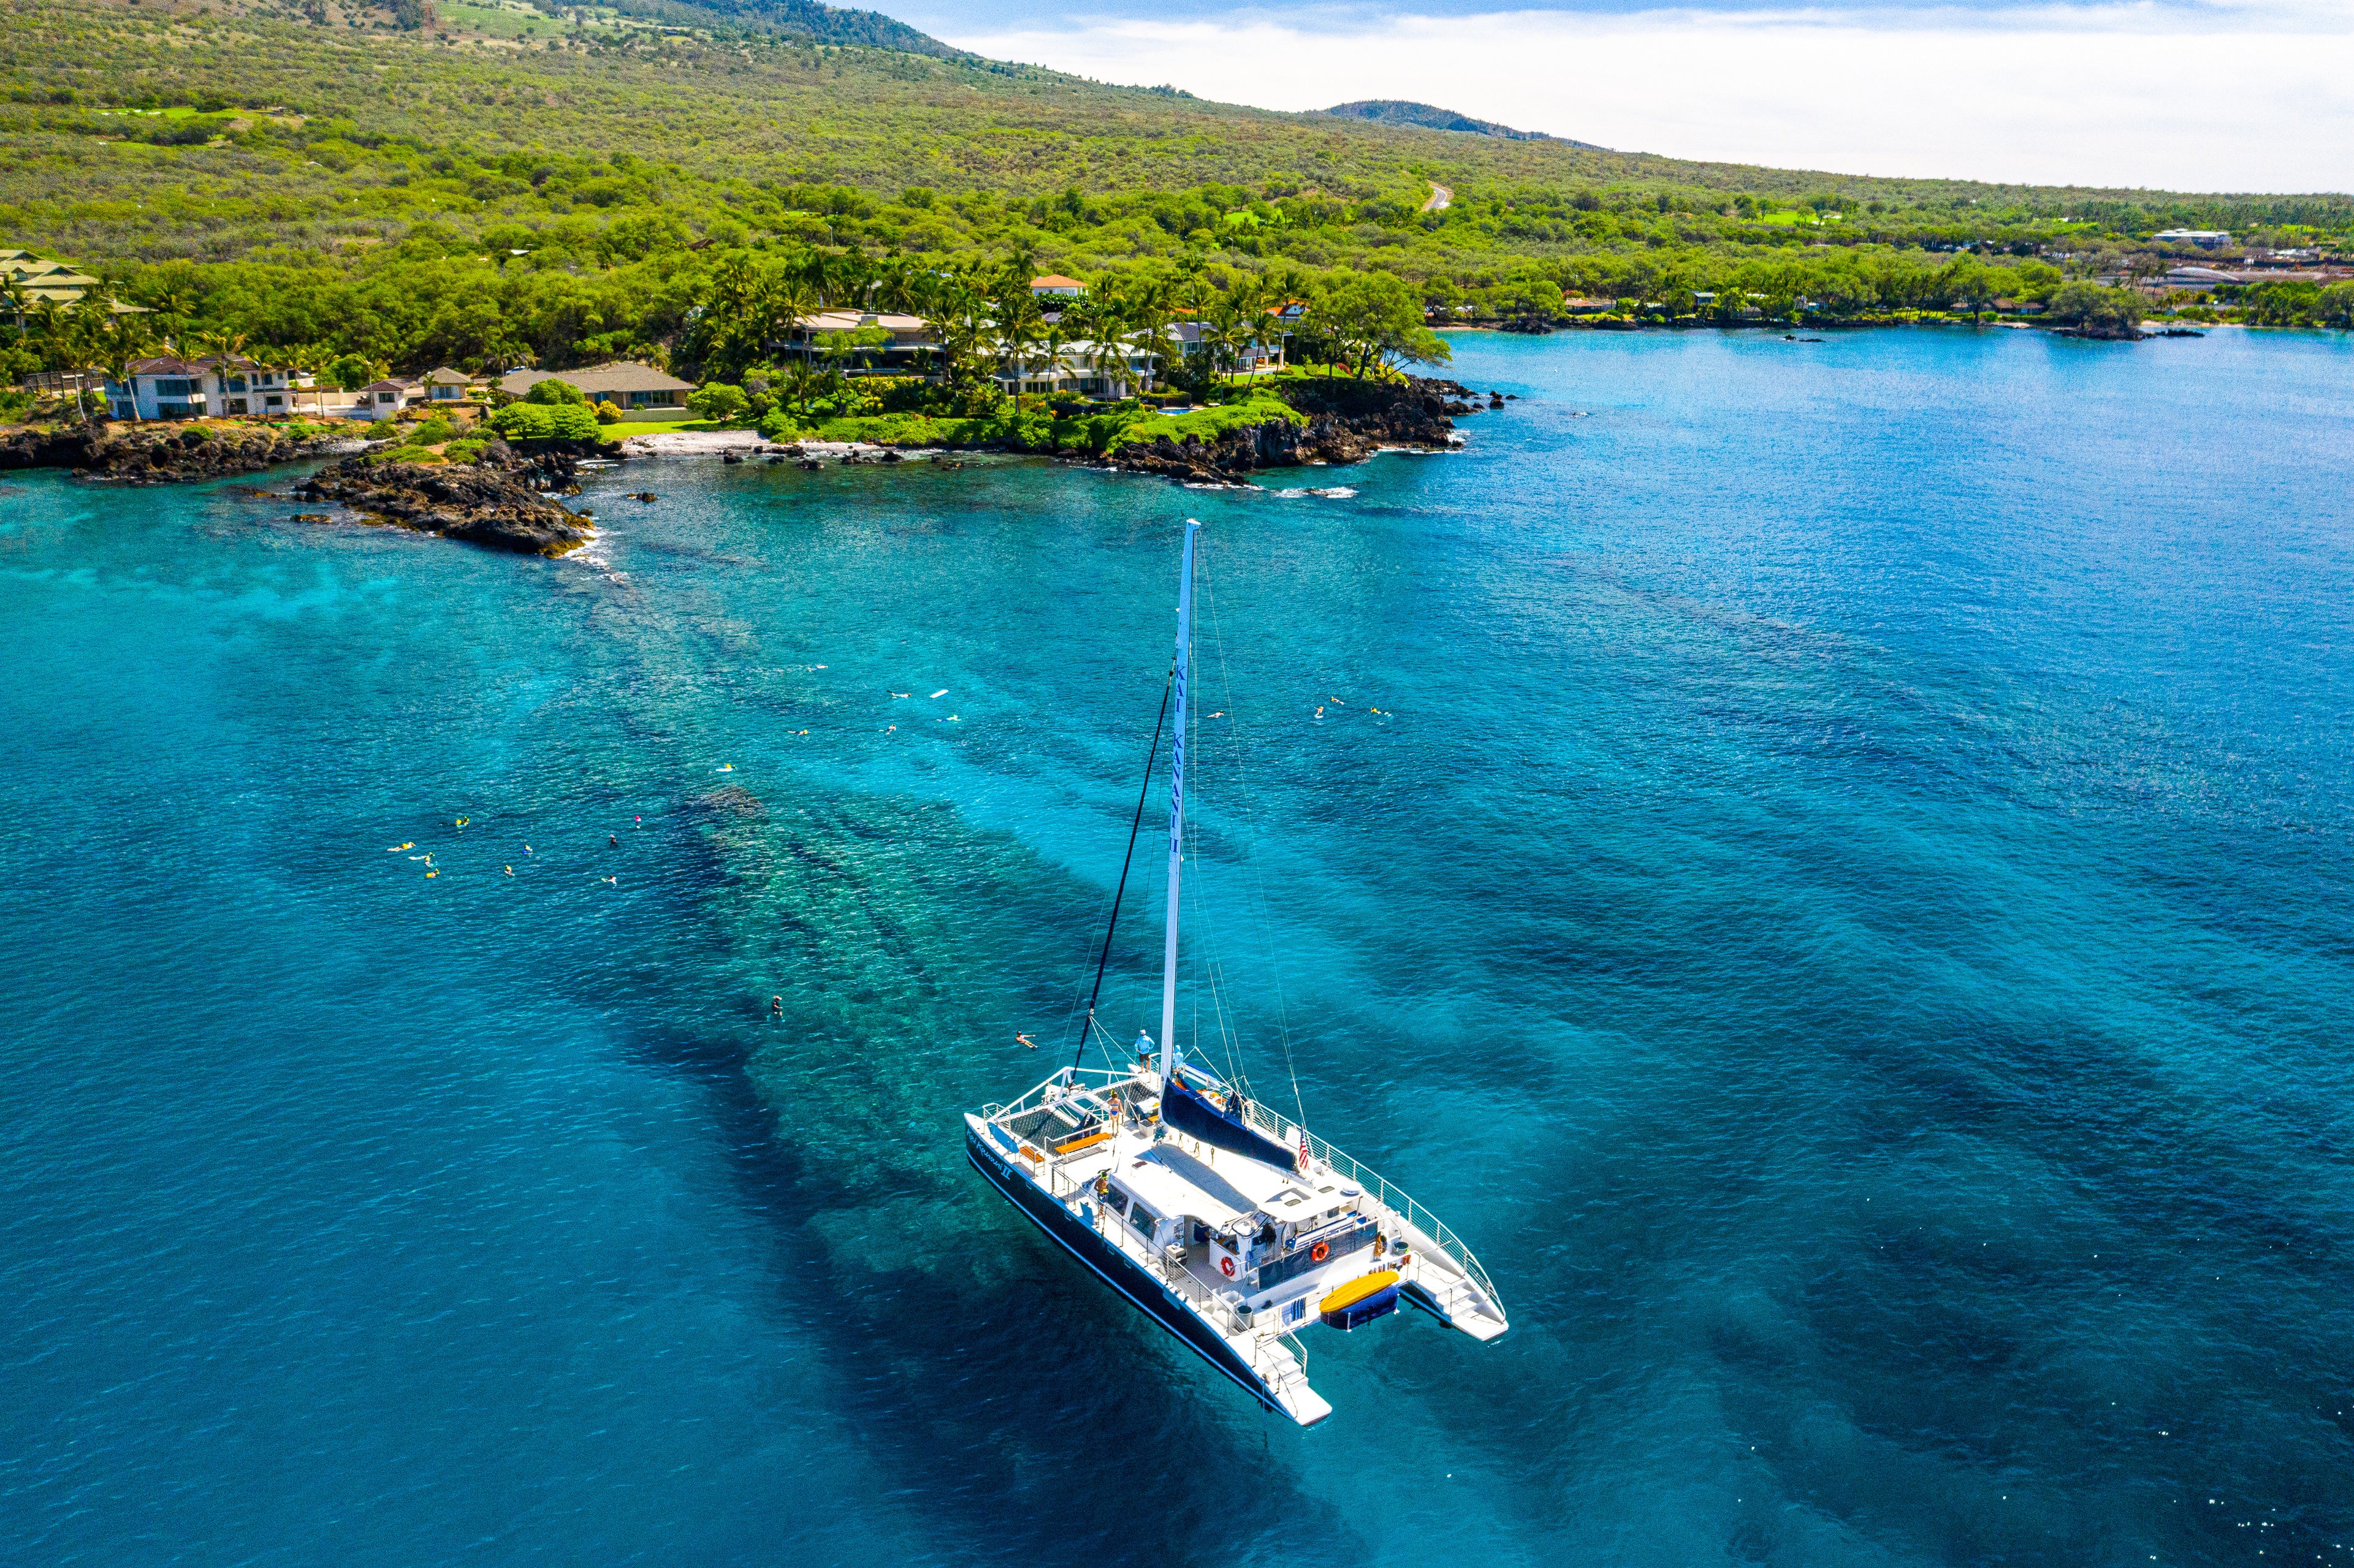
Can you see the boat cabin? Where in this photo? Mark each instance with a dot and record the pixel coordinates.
(1247, 1231)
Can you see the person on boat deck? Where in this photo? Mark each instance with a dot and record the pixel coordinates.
(1143, 1044)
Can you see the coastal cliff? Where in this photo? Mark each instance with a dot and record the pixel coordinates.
(499, 501)
(174, 454)
(1347, 421)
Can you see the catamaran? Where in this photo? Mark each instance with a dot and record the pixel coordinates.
(1229, 1224)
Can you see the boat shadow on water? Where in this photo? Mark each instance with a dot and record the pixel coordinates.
(915, 1287)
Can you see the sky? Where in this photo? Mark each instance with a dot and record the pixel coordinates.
(2229, 95)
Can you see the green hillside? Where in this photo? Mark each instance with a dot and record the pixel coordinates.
(712, 112)
(1430, 117)
(432, 181)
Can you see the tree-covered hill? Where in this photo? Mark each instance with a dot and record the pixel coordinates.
(423, 182)
(709, 114)
(1430, 117)
(805, 21)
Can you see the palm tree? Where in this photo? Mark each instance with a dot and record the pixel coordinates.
(960, 325)
(1145, 309)
(1018, 338)
(801, 384)
(173, 306)
(303, 359)
(1227, 334)
(899, 286)
(221, 348)
(1105, 327)
(88, 327)
(1020, 324)
(127, 340)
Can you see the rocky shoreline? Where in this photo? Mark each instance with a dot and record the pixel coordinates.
(501, 500)
(174, 454)
(1348, 421)
(504, 499)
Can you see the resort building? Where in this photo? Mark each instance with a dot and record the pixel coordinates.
(169, 387)
(1077, 369)
(624, 383)
(37, 279)
(1053, 285)
(885, 344)
(2205, 238)
(1262, 357)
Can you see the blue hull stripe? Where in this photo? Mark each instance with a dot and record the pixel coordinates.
(1082, 1243)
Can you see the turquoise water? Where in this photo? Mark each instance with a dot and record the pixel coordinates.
(1845, 907)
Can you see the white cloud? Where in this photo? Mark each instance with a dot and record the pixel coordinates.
(2244, 98)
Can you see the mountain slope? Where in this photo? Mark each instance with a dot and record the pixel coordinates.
(329, 127)
(1430, 117)
(800, 19)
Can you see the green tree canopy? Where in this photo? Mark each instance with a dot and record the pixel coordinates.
(1374, 319)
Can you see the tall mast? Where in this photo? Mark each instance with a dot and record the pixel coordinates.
(1177, 802)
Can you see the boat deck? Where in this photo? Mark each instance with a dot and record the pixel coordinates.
(1091, 1142)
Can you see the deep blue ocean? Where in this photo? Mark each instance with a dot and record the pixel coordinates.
(1845, 906)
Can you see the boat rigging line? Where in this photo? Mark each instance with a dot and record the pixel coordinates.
(1150, 755)
(1250, 853)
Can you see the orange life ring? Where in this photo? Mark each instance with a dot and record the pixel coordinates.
(1318, 1253)
(1226, 1266)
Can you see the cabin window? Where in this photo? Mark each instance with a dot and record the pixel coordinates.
(1116, 1201)
(1144, 1220)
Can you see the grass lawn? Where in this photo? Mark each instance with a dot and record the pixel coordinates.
(1209, 424)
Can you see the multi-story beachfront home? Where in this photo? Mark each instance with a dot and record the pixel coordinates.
(1078, 368)
(912, 347)
(172, 387)
(1262, 358)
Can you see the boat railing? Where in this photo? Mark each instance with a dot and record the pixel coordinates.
(1080, 1078)
(1290, 1135)
(1063, 1186)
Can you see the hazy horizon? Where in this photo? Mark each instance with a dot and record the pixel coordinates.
(2224, 98)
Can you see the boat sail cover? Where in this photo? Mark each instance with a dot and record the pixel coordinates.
(1194, 1114)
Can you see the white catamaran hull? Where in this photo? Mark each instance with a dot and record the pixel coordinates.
(1132, 1278)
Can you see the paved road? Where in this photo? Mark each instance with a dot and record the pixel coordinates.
(1441, 197)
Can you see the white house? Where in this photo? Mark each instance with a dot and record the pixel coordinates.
(169, 387)
(384, 399)
(447, 386)
(1055, 285)
(1083, 369)
(1255, 359)
(2205, 238)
